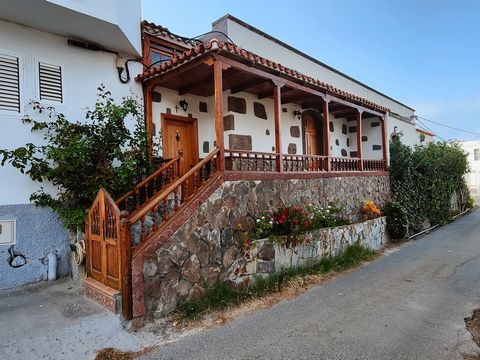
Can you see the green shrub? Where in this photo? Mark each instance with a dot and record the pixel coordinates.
(470, 202)
(423, 180)
(397, 221)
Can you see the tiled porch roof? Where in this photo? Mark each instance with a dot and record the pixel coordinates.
(161, 31)
(216, 46)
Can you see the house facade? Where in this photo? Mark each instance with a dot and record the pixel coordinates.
(47, 58)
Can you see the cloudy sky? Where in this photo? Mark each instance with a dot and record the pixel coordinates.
(425, 53)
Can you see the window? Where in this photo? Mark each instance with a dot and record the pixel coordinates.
(9, 83)
(50, 82)
(476, 154)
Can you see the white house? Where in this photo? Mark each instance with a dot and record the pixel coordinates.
(472, 148)
(56, 52)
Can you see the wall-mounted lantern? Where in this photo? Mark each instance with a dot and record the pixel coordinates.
(183, 104)
(297, 114)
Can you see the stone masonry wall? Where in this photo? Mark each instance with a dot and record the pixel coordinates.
(208, 247)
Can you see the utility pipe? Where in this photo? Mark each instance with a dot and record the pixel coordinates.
(52, 266)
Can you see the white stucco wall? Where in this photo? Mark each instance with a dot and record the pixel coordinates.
(83, 72)
(410, 136)
(249, 124)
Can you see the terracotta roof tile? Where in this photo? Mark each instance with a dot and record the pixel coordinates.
(158, 30)
(214, 45)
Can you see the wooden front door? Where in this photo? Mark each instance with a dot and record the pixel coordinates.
(103, 241)
(180, 138)
(313, 136)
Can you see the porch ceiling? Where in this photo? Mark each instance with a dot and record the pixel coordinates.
(176, 74)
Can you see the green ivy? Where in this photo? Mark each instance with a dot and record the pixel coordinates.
(80, 157)
(423, 180)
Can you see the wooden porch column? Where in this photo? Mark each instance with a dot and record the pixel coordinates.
(219, 133)
(277, 104)
(384, 140)
(359, 140)
(149, 120)
(326, 133)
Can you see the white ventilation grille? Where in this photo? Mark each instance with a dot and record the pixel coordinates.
(50, 82)
(9, 83)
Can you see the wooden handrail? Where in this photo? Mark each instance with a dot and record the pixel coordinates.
(154, 201)
(147, 179)
(250, 152)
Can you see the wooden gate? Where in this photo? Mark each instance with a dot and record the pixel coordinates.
(104, 241)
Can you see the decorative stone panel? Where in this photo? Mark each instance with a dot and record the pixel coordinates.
(337, 142)
(376, 147)
(259, 110)
(240, 142)
(206, 147)
(295, 131)
(364, 138)
(344, 152)
(156, 97)
(202, 106)
(292, 148)
(352, 129)
(353, 154)
(228, 122)
(209, 246)
(348, 142)
(331, 127)
(237, 104)
(267, 132)
(344, 129)
(375, 124)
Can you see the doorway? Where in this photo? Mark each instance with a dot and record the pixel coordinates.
(313, 133)
(180, 137)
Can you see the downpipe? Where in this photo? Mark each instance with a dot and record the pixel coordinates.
(52, 266)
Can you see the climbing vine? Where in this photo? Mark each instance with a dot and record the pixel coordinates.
(423, 180)
(78, 158)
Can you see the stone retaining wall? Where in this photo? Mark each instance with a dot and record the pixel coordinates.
(209, 245)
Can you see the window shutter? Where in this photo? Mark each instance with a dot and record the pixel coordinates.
(50, 81)
(9, 83)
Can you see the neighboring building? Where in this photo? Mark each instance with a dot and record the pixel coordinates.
(37, 63)
(472, 148)
(424, 136)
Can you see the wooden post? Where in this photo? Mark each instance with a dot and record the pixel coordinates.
(218, 84)
(384, 140)
(149, 120)
(326, 133)
(277, 104)
(359, 140)
(126, 266)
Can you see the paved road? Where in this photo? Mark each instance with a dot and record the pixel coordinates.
(408, 305)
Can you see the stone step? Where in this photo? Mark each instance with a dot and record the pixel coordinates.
(104, 295)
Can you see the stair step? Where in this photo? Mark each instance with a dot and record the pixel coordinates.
(104, 295)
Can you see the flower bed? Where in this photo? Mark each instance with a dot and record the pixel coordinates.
(270, 255)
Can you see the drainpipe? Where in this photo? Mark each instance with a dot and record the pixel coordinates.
(52, 266)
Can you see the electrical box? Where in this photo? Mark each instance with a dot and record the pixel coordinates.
(7, 232)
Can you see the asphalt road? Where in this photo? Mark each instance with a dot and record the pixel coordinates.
(408, 305)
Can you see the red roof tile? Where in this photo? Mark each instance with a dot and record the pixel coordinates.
(214, 45)
(158, 30)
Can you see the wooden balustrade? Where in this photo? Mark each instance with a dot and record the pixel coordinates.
(244, 160)
(161, 207)
(150, 186)
(344, 164)
(305, 163)
(374, 165)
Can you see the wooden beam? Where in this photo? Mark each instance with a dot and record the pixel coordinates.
(384, 140)
(326, 133)
(359, 139)
(180, 69)
(192, 86)
(247, 84)
(270, 76)
(219, 133)
(149, 120)
(277, 111)
(343, 113)
(297, 97)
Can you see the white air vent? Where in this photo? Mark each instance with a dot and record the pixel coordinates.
(50, 82)
(9, 83)
(7, 232)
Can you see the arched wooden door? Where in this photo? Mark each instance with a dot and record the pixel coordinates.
(313, 135)
(103, 241)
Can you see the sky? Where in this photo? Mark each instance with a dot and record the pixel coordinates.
(423, 53)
